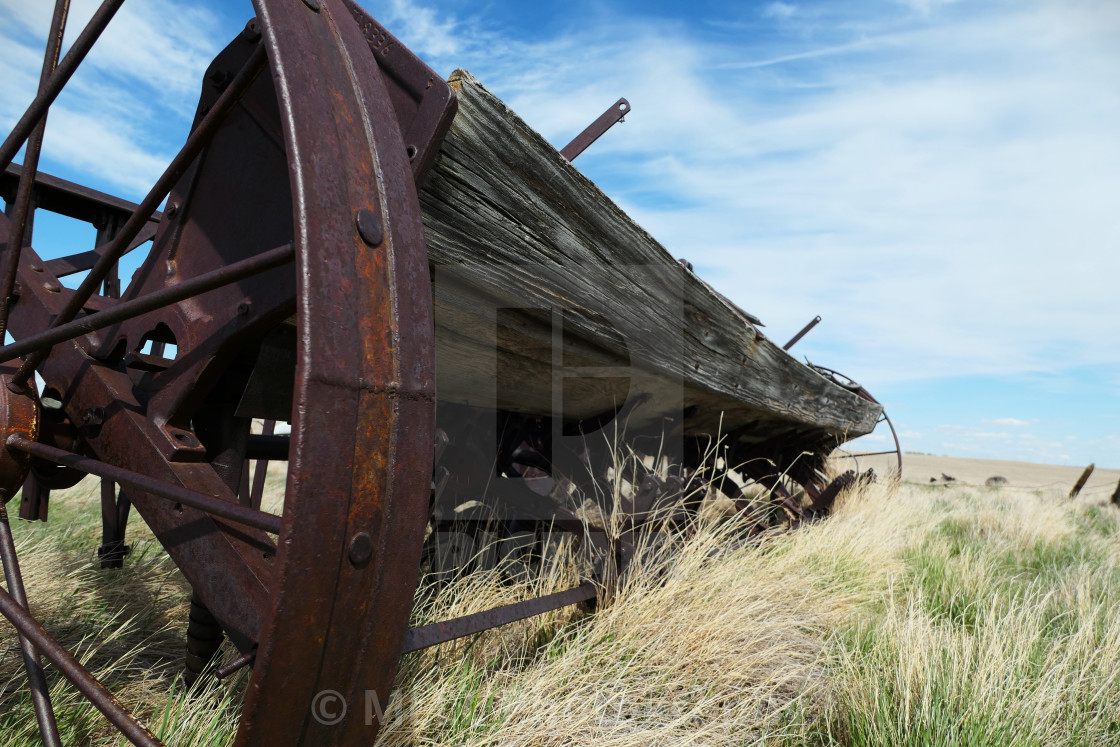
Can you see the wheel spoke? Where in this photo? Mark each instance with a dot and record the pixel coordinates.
(10, 258)
(207, 503)
(157, 299)
(197, 140)
(40, 693)
(61, 75)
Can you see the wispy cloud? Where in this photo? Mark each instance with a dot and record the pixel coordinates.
(127, 109)
(941, 195)
(779, 10)
(1011, 422)
(936, 179)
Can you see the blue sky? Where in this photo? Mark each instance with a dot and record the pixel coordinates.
(938, 180)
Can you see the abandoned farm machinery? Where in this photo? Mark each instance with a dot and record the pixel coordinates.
(458, 325)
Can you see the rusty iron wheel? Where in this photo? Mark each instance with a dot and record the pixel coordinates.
(295, 158)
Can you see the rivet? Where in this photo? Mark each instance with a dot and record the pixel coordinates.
(313, 4)
(244, 309)
(52, 287)
(361, 550)
(369, 227)
(172, 210)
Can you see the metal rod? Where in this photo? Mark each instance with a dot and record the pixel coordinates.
(74, 263)
(894, 435)
(239, 663)
(804, 331)
(449, 630)
(197, 140)
(9, 262)
(36, 680)
(69, 667)
(43, 100)
(595, 130)
(60, 196)
(144, 484)
(866, 453)
(260, 471)
(163, 297)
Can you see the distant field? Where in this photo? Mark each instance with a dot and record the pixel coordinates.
(927, 468)
(917, 615)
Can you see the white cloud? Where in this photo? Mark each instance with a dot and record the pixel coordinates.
(779, 10)
(936, 195)
(112, 122)
(421, 29)
(1012, 422)
(941, 191)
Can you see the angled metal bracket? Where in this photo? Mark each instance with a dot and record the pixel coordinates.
(595, 130)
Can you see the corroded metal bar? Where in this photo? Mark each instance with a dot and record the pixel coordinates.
(23, 209)
(804, 331)
(58, 80)
(157, 299)
(449, 630)
(260, 472)
(595, 130)
(206, 503)
(72, 670)
(36, 680)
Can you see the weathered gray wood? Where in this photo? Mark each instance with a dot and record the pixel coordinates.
(524, 246)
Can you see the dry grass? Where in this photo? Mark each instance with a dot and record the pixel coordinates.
(913, 616)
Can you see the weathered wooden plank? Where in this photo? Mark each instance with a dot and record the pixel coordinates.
(539, 276)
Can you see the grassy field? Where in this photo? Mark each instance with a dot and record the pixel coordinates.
(916, 615)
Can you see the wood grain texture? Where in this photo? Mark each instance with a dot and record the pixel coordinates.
(539, 277)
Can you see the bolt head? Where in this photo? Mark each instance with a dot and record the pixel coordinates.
(369, 227)
(361, 550)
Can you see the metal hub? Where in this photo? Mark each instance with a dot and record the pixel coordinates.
(19, 415)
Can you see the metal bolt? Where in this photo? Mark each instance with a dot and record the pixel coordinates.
(172, 210)
(243, 309)
(36, 268)
(369, 227)
(93, 416)
(361, 550)
(313, 4)
(52, 287)
(220, 79)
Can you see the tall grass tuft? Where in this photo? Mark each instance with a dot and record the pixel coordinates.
(912, 616)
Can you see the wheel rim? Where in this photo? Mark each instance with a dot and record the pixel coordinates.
(377, 538)
(340, 587)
